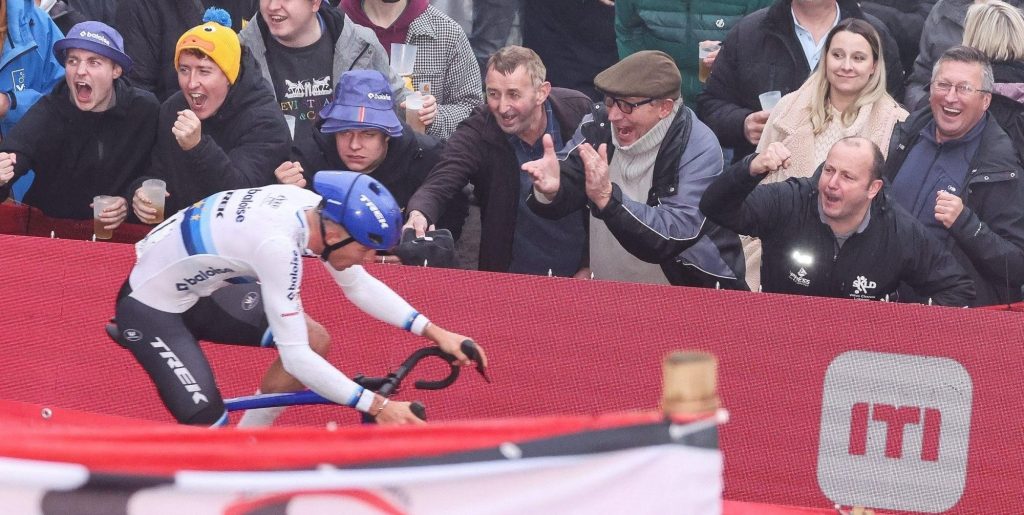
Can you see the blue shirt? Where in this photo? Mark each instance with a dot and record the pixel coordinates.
(812, 49)
(932, 166)
(540, 245)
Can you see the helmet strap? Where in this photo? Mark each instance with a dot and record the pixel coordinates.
(326, 253)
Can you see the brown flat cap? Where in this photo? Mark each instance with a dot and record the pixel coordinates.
(648, 73)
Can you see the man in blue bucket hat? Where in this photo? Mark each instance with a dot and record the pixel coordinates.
(359, 131)
(90, 136)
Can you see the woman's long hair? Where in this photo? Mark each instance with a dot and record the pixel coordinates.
(873, 91)
(997, 29)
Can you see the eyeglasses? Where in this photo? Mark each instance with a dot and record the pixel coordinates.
(943, 87)
(625, 107)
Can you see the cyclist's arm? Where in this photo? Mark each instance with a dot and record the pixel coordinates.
(377, 299)
(315, 372)
(279, 268)
(381, 302)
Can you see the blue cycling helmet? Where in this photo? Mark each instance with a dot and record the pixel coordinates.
(362, 205)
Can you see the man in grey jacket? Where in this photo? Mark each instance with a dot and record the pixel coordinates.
(643, 180)
(303, 48)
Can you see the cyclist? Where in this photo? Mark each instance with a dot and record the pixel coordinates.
(204, 274)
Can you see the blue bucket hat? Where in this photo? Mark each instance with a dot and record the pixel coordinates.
(362, 101)
(95, 37)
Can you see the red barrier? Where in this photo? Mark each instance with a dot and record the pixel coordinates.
(23, 220)
(913, 408)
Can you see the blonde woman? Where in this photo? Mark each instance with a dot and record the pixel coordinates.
(996, 28)
(844, 96)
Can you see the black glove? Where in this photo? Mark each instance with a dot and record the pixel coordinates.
(435, 248)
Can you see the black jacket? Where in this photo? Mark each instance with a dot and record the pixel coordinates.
(410, 158)
(241, 145)
(799, 250)
(989, 233)
(905, 21)
(480, 153)
(762, 53)
(79, 154)
(665, 230)
(65, 16)
(151, 30)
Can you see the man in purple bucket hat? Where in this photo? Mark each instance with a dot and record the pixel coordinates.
(359, 131)
(90, 136)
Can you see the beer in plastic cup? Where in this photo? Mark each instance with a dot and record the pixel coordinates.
(769, 99)
(413, 104)
(155, 191)
(403, 58)
(99, 203)
(704, 49)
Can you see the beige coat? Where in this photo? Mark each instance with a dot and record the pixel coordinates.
(790, 123)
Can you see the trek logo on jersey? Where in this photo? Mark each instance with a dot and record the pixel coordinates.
(375, 210)
(244, 205)
(201, 276)
(180, 370)
(293, 276)
(223, 204)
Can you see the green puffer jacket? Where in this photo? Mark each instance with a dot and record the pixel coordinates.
(676, 27)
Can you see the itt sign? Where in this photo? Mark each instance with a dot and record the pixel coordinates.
(894, 431)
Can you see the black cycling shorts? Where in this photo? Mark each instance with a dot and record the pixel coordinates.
(166, 345)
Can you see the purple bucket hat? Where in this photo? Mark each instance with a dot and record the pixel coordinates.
(95, 37)
(362, 101)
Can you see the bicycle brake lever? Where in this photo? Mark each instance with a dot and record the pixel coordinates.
(469, 348)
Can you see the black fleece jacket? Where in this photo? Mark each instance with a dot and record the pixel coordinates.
(241, 145)
(79, 154)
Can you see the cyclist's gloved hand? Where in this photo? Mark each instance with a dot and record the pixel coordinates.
(435, 248)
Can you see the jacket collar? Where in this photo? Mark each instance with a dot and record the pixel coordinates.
(780, 15)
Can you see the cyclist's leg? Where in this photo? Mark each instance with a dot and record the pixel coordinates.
(168, 352)
(276, 379)
(235, 315)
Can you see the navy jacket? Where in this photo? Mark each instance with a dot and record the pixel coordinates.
(989, 233)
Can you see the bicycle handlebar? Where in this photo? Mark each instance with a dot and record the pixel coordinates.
(384, 386)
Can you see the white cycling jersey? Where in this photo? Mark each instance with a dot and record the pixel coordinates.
(258, 234)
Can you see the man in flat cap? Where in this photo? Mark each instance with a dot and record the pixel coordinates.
(642, 176)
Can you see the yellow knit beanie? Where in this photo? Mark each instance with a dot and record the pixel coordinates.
(218, 42)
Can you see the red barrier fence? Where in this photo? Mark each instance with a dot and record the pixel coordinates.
(911, 409)
(24, 220)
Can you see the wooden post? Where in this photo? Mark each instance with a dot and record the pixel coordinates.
(690, 383)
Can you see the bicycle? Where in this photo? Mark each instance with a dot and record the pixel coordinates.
(384, 386)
